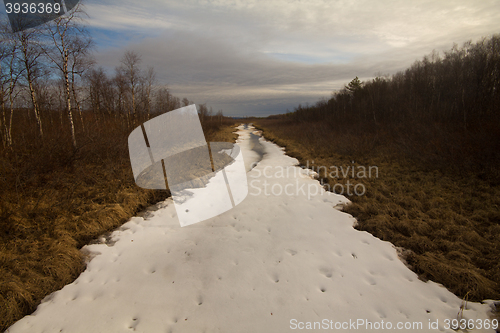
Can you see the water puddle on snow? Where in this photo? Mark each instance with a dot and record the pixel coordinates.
(255, 145)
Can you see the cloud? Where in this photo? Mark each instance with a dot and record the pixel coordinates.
(276, 54)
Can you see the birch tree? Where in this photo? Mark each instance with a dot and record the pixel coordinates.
(10, 72)
(68, 38)
(31, 54)
(132, 74)
(81, 62)
(149, 81)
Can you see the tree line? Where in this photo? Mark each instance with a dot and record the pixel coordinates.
(461, 86)
(49, 74)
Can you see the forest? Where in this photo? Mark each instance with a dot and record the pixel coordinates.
(445, 108)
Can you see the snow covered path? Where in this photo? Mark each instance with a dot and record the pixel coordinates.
(271, 264)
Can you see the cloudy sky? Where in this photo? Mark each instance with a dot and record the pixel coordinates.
(261, 57)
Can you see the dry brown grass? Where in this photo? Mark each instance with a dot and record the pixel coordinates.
(54, 201)
(448, 221)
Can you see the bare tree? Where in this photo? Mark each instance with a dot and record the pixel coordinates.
(66, 33)
(162, 100)
(96, 78)
(120, 81)
(149, 82)
(132, 73)
(10, 73)
(4, 55)
(81, 62)
(165, 101)
(220, 116)
(203, 112)
(104, 93)
(32, 54)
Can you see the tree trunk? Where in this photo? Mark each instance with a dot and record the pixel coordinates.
(149, 103)
(373, 106)
(3, 124)
(76, 99)
(36, 108)
(68, 100)
(133, 103)
(9, 131)
(465, 111)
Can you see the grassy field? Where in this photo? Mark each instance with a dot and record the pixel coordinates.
(447, 222)
(54, 201)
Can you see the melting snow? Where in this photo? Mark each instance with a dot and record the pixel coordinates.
(271, 264)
